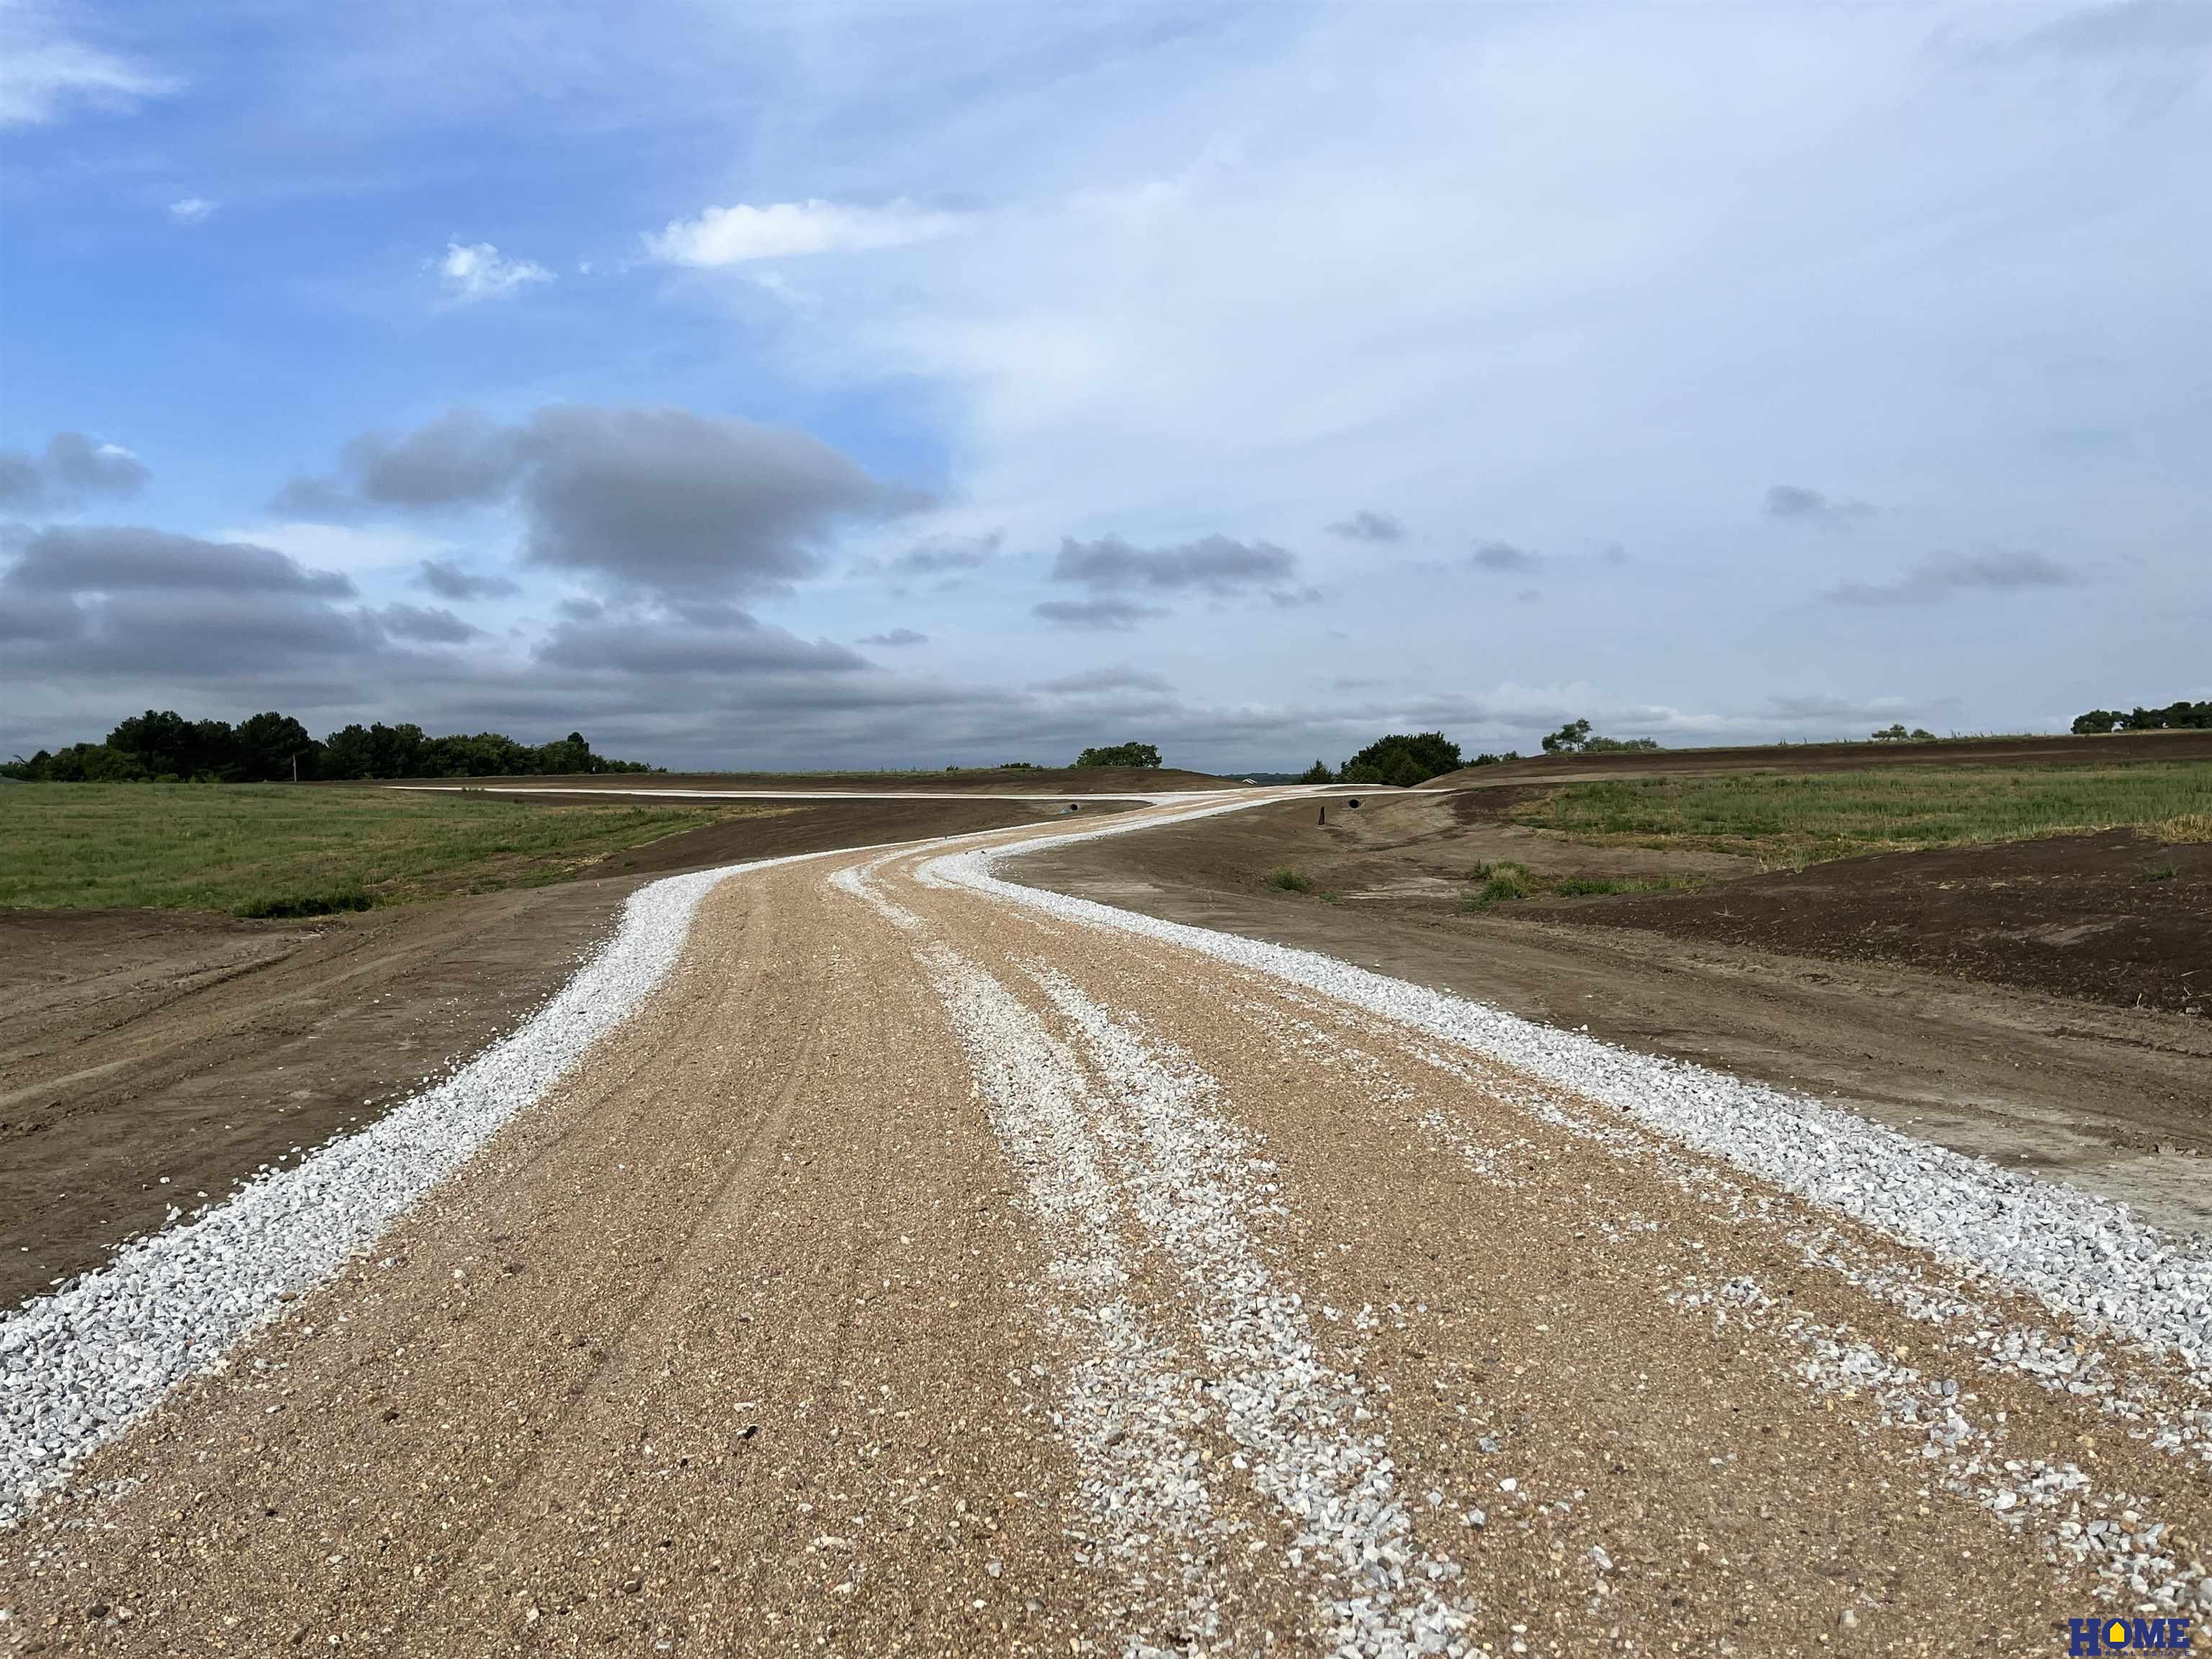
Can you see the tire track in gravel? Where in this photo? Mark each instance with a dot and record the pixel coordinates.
(542, 1468)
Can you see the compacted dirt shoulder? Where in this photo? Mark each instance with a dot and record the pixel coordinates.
(150, 1059)
(1895, 1027)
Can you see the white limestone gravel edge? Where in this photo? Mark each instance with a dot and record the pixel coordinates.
(2077, 1253)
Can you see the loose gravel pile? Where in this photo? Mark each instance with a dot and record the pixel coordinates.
(2079, 1254)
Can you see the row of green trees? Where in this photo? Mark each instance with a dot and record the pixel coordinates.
(162, 745)
(2174, 717)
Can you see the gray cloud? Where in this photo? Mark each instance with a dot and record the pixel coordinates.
(449, 582)
(935, 557)
(1093, 682)
(113, 558)
(1944, 575)
(111, 601)
(459, 458)
(21, 481)
(430, 624)
(895, 636)
(652, 499)
(662, 646)
(669, 501)
(1100, 613)
(1795, 501)
(73, 468)
(1366, 526)
(1215, 564)
(1503, 556)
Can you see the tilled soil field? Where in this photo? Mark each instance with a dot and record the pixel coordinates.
(1155, 1291)
(2116, 917)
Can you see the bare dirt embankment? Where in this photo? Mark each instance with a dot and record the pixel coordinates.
(153, 1058)
(1982, 997)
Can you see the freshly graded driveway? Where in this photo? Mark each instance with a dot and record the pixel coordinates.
(926, 1269)
(153, 1058)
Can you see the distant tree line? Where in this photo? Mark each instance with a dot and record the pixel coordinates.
(1575, 738)
(2174, 717)
(162, 744)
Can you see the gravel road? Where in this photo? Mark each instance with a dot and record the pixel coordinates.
(918, 1263)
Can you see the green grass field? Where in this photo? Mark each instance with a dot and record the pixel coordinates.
(272, 849)
(1803, 819)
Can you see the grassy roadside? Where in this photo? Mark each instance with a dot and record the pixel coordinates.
(273, 849)
(1793, 821)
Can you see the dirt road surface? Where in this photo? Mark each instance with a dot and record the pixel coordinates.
(926, 1267)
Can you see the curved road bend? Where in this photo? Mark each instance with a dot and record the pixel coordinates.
(926, 1272)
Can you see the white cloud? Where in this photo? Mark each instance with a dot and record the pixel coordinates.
(191, 210)
(735, 235)
(42, 70)
(476, 271)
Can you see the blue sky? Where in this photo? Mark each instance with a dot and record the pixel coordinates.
(835, 384)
